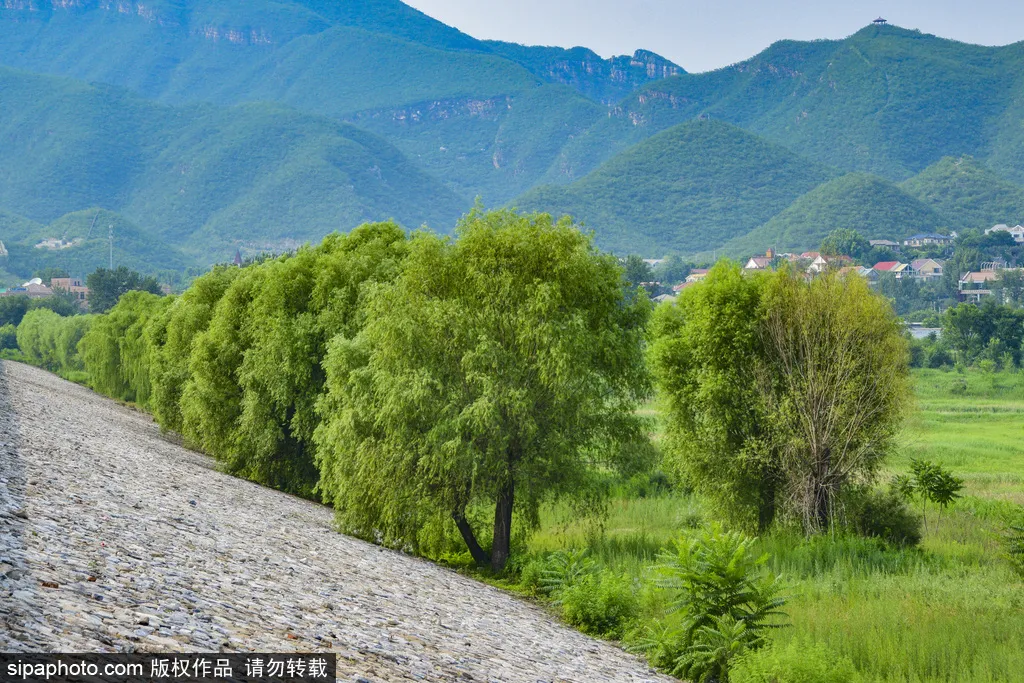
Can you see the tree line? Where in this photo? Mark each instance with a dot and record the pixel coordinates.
(438, 391)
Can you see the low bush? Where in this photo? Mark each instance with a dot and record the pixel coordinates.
(563, 570)
(8, 337)
(601, 604)
(723, 602)
(795, 662)
(885, 515)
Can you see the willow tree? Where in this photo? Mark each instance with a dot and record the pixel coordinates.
(705, 352)
(835, 379)
(303, 302)
(188, 317)
(211, 400)
(781, 393)
(497, 370)
(116, 352)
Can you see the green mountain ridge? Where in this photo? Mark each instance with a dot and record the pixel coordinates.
(868, 204)
(885, 100)
(967, 193)
(88, 232)
(688, 188)
(207, 179)
(265, 123)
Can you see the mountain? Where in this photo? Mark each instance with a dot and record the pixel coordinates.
(689, 188)
(207, 179)
(885, 100)
(868, 204)
(967, 194)
(89, 234)
(602, 80)
(475, 113)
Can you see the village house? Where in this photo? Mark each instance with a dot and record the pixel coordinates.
(895, 267)
(887, 244)
(925, 240)
(758, 263)
(696, 275)
(1017, 231)
(71, 285)
(821, 263)
(977, 285)
(54, 243)
(926, 269)
(33, 289)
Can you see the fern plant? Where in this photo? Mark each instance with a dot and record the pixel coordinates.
(564, 569)
(725, 603)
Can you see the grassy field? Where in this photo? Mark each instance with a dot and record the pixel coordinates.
(950, 610)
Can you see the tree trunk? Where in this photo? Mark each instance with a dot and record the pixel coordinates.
(822, 499)
(479, 556)
(502, 527)
(766, 504)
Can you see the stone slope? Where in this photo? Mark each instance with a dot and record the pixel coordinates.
(151, 549)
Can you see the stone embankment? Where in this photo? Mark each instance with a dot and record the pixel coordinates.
(113, 539)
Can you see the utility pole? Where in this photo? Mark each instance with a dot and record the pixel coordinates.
(110, 238)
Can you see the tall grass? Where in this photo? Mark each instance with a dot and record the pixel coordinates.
(950, 610)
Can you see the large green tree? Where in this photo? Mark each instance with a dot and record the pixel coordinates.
(705, 354)
(107, 286)
(497, 370)
(781, 393)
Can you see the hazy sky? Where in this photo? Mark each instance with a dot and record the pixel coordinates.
(705, 35)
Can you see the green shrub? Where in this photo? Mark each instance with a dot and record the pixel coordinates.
(563, 570)
(723, 603)
(8, 337)
(885, 515)
(940, 357)
(601, 604)
(796, 662)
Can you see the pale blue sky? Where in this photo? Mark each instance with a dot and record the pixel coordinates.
(700, 36)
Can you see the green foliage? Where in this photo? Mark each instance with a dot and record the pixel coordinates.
(189, 316)
(117, 352)
(884, 515)
(970, 331)
(8, 336)
(845, 242)
(967, 194)
(794, 662)
(689, 188)
(51, 341)
(562, 570)
(601, 604)
(778, 386)
(1014, 542)
(107, 286)
(13, 309)
(495, 370)
(206, 179)
(931, 483)
(704, 355)
(724, 604)
(868, 205)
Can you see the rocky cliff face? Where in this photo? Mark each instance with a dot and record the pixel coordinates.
(604, 80)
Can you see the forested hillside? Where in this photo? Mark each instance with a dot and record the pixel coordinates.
(690, 187)
(868, 204)
(217, 125)
(206, 179)
(886, 100)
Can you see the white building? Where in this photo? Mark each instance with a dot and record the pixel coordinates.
(1017, 231)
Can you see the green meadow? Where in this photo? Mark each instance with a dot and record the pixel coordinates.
(951, 609)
